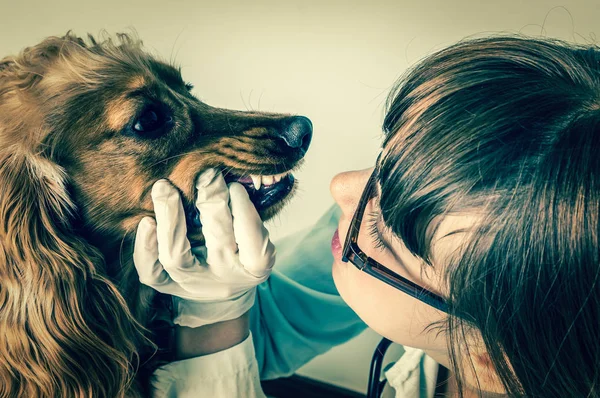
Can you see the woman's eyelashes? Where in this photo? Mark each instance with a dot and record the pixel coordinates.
(372, 219)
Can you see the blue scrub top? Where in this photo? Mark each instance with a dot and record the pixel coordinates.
(298, 313)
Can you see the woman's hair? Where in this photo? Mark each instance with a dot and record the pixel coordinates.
(508, 129)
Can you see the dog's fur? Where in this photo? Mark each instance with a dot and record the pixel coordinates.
(74, 184)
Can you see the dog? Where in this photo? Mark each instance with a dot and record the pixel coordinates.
(86, 127)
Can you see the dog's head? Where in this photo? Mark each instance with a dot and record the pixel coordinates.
(86, 128)
(113, 120)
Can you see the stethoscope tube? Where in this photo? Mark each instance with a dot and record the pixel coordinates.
(375, 386)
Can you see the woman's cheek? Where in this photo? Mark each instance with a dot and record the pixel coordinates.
(361, 292)
(386, 310)
(345, 282)
(338, 278)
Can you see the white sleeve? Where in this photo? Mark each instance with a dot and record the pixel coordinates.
(225, 374)
(414, 375)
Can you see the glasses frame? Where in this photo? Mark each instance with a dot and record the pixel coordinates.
(353, 253)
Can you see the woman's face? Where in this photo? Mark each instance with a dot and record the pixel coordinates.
(390, 312)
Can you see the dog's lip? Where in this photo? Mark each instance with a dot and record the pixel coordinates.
(277, 191)
(229, 172)
(266, 170)
(267, 194)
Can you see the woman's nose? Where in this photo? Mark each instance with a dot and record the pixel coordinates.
(347, 188)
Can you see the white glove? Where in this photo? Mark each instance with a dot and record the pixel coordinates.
(209, 283)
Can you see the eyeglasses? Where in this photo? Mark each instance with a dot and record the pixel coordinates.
(356, 256)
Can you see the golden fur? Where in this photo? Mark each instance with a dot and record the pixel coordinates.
(74, 320)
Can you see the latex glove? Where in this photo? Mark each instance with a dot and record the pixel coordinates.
(210, 283)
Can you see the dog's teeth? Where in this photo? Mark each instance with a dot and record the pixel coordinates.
(277, 178)
(267, 180)
(256, 181)
(281, 176)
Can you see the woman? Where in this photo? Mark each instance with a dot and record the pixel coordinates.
(486, 199)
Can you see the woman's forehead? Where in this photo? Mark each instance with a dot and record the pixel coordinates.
(452, 234)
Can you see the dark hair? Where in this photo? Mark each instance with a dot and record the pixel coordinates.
(507, 128)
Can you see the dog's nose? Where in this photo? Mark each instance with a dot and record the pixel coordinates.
(298, 133)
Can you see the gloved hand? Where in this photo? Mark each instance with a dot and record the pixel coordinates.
(210, 283)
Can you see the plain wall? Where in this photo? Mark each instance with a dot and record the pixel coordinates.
(333, 61)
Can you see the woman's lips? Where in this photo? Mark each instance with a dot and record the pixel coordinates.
(336, 246)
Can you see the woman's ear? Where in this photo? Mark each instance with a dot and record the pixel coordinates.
(479, 370)
(65, 330)
(486, 372)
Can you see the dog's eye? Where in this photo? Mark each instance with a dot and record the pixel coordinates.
(152, 122)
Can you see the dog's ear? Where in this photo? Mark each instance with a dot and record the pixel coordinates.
(65, 330)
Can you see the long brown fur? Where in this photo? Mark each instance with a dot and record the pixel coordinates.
(74, 318)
